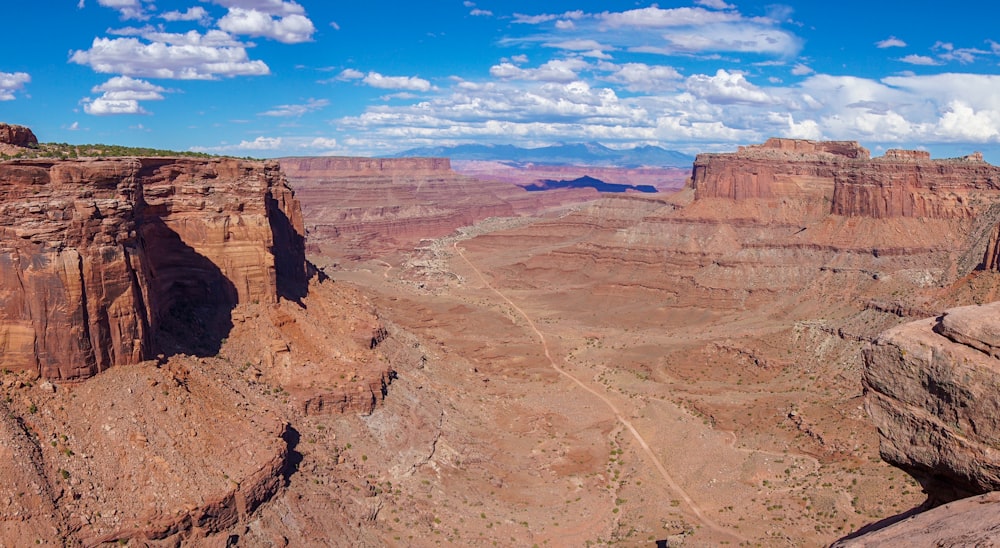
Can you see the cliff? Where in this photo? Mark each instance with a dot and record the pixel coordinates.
(932, 393)
(111, 261)
(903, 183)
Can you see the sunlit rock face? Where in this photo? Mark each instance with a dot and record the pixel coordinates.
(109, 261)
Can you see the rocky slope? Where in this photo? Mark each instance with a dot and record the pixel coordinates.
(200, 264)
(110, 261)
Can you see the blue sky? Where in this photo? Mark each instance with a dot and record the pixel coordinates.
(270, 78)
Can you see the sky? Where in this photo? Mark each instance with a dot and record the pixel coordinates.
(269, 78)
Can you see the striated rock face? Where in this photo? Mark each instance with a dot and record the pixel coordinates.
(108, 261)
(903, 183)
(932, 392)
(18, 136)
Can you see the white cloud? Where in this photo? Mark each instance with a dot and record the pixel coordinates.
(481, 13)
(321, 143)
(11, 82)
(190, 61)
(311, 105)
(411, 83)
(664, 18)
(715, 4)
(643, 77)
(915, 59)
(891, 42)
(129, 9)
(121, 95)
(557, 70)
(289, 29)
(108, 107)
(270, 7)
(545, 18)
(801, 70)
(351, 74)
(261, 143)
(727, 87)
(196, 13)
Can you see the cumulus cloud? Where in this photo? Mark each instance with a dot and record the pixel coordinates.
(557, 70)
(320, 143)
(196, 13)
(196, 59)
(311, 105)
(351, 74)
(411, 83)
(643, 77)
(727, 87)
(129, 9)
(715, 4)
(11, 82)
(801, 70)
(121, 95)
(891, 42)
(260, 143)
(673, 31)
(915, 59)
(270, 7)
(289, 29)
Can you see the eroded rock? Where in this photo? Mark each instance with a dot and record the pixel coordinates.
(109, 261)
(932, 392)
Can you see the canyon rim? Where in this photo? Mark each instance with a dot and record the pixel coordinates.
(356, 351)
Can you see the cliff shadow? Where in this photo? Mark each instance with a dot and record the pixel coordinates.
(289, 250)
(190, 300)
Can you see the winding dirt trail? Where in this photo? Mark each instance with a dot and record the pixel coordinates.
(692, 507)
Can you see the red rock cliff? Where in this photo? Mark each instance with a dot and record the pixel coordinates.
(903, 183)
(108, 261)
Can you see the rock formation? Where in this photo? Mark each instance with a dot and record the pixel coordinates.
(18, 136)
(903, 183)
(110, 261)
(933, 394)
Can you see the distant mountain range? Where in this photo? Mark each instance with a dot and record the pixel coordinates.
(585, 154)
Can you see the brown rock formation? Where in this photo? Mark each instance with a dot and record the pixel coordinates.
(903, 183)
(108, 261)
(932, 393)
(18, 136)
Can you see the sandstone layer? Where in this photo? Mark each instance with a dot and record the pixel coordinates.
(18, 136)
(932, 393)
(109, 261)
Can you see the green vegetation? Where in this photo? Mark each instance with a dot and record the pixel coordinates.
(64, 150)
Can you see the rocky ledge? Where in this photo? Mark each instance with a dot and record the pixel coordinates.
(932, 392)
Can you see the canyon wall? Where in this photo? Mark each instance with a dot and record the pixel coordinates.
(902, 183)
(109, 261)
